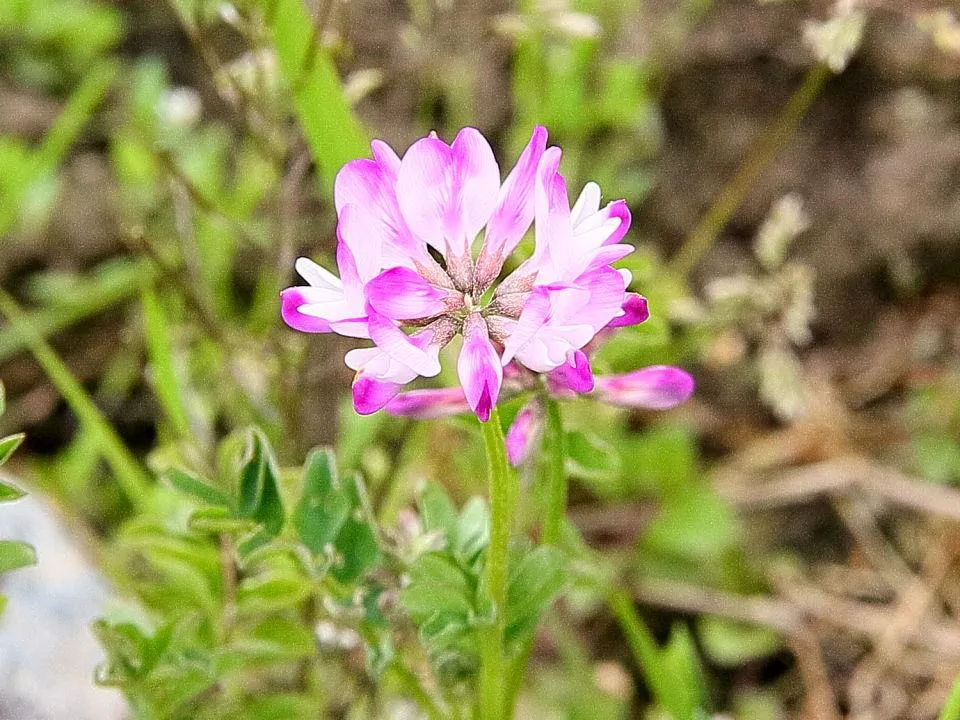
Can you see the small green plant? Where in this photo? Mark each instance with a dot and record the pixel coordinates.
(14, 554)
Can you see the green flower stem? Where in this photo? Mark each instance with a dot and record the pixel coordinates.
(492, 679)
(554, 447)
(555, 453)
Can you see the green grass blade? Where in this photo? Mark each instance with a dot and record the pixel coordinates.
(113, 283)
(130, 475)
(672, 678)
(166, 385)
(951, 711)
(44, 160)
(333, 132)
(77, 113)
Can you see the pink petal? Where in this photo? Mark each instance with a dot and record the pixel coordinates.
(575, 375)
(658, 388)
(606, 255)
(380, 377)
(635, 311)
(402, 294)
(523, 433)
(323, 309)
(370, 394)
(536, 311)
(514, 210)
(395, 343)
(349, 274)
(317, 276)
(356, 230)
(371, 186)
(423, 189)
(429, 404)
(351, 327)
(479, 367)
(606, 287)
(618, 209)
(585, 208)
(554, 234)
(588, 218)
(291, 300)
(477, 182)
(446, 193)
(386, 158)
(555, 320)
(562, 317)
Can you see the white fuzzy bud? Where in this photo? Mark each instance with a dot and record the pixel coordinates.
(781, 386)
(786, 220)
(361, 83)
(834, 41)
(179, 107)
(576, 25)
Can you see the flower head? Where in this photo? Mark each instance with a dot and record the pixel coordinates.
(397, 216)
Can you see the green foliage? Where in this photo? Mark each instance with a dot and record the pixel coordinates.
(334, 134)
(28, 184)
(163, 364)
(55, 42)
(682, 692)
(127, 470)
(672, 672)
(935, 413)
(951, 709)
(14, 554)
(231, 576)
(446, 595)
(598, 106)
(732, 644)
(324, 507)
(256, 590)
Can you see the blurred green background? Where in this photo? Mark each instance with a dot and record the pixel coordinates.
(788, 538)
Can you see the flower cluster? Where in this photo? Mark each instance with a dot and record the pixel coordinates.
(398, 218)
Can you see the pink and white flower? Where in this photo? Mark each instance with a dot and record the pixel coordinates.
(659, 387)
(395, 215)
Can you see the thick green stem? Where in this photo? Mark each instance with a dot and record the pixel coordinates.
(770, 143)
(555, 450)
(555, 455)
(492, 678)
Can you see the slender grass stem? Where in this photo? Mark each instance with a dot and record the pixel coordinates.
(492, 676)
(114, 283)
(130, 475)
(764, 151)
(641, 642)
(410, 685)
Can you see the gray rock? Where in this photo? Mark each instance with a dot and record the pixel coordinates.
(47, 651)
